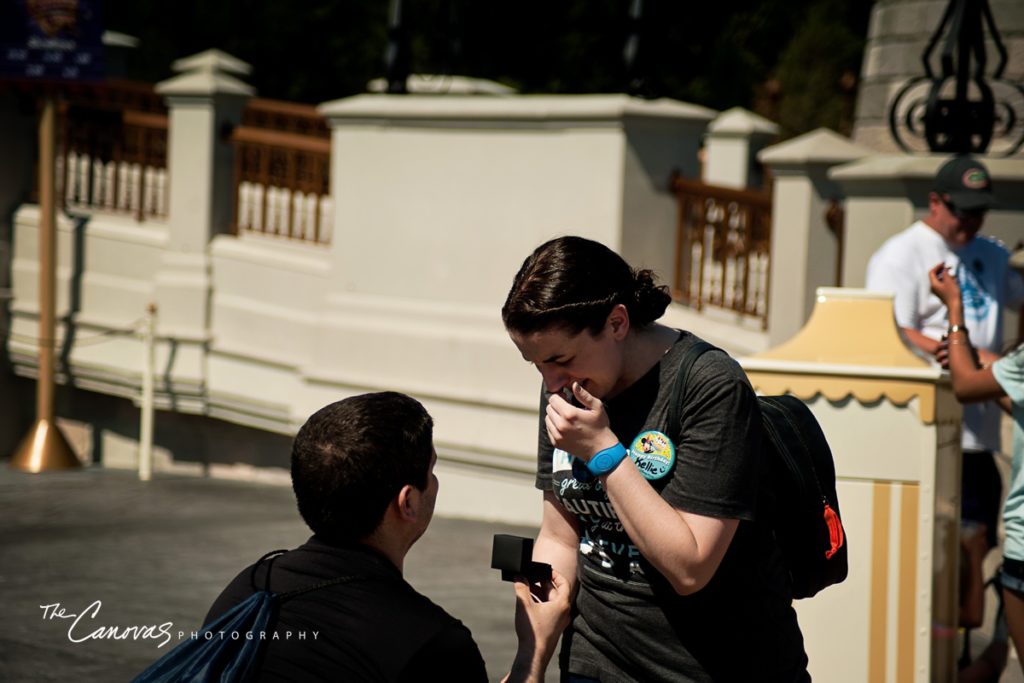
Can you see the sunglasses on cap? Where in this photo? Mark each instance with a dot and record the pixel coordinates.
(963, 213)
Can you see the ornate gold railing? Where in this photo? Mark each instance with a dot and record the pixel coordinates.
(723, 245)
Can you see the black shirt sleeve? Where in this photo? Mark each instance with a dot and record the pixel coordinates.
(451, 655)
(718, 450)
(238, 590)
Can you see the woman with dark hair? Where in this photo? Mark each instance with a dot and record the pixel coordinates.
(655, 522)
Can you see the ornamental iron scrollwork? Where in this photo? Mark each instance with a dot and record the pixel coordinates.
(959, 110)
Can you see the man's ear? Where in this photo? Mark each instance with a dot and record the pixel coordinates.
(407, 503)
(618, 322)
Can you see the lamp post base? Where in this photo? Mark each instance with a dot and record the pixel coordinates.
(44, 448)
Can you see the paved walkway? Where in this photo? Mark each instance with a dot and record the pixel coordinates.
(161, 552)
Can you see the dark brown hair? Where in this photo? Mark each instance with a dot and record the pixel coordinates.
(574, 283)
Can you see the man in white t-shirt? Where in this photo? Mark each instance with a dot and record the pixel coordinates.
(949, 234)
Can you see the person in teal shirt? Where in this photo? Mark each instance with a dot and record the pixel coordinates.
(1002, 380)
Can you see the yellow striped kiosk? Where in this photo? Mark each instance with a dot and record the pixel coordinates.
(894, 427)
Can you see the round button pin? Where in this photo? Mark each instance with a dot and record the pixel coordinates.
(653, 453)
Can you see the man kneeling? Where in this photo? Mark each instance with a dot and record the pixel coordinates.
(363, 475)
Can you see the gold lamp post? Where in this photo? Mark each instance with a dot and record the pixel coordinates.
(44, 447)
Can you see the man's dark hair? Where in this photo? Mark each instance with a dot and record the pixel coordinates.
(351, 459)
(573, 283)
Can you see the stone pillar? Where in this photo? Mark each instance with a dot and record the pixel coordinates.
(205, 101)
(805, 249)
(733, 141)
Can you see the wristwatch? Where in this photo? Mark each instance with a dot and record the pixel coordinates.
(607, 460)
(957, 328)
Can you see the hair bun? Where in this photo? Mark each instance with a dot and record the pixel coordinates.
(650, 299)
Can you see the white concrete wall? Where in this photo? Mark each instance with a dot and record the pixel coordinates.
(265, 301)
(654, 149)
(472, 188)
(104, 281)
(464, 205)
(437, 202)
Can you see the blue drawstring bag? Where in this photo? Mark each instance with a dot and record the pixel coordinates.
(225, 660)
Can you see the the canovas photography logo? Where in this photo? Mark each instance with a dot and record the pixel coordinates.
(86, 624)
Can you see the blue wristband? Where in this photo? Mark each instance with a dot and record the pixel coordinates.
(607, 460)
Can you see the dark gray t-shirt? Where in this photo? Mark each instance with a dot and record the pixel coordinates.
(629, 624)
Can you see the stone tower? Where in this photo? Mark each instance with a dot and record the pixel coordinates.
(897, 38)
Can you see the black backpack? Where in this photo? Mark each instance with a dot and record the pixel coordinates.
(799, 498)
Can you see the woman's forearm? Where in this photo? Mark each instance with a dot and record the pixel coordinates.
(961, 353)
(956, 313)
(685, 548)
(961, 358)
(558, 540)
(970, 382)
(558, 554)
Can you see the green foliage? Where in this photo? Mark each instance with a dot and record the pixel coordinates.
(714, 53)
(814, 72)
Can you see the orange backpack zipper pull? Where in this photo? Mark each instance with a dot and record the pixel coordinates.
(835, 531)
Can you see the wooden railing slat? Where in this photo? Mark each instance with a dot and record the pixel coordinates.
(273, 138)
(144, 119)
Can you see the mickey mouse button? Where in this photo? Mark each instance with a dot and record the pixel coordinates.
(653, 453)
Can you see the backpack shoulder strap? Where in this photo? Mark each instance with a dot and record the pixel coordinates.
(273, 555)
(316, 586)
(690, 357)
(269, 559)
